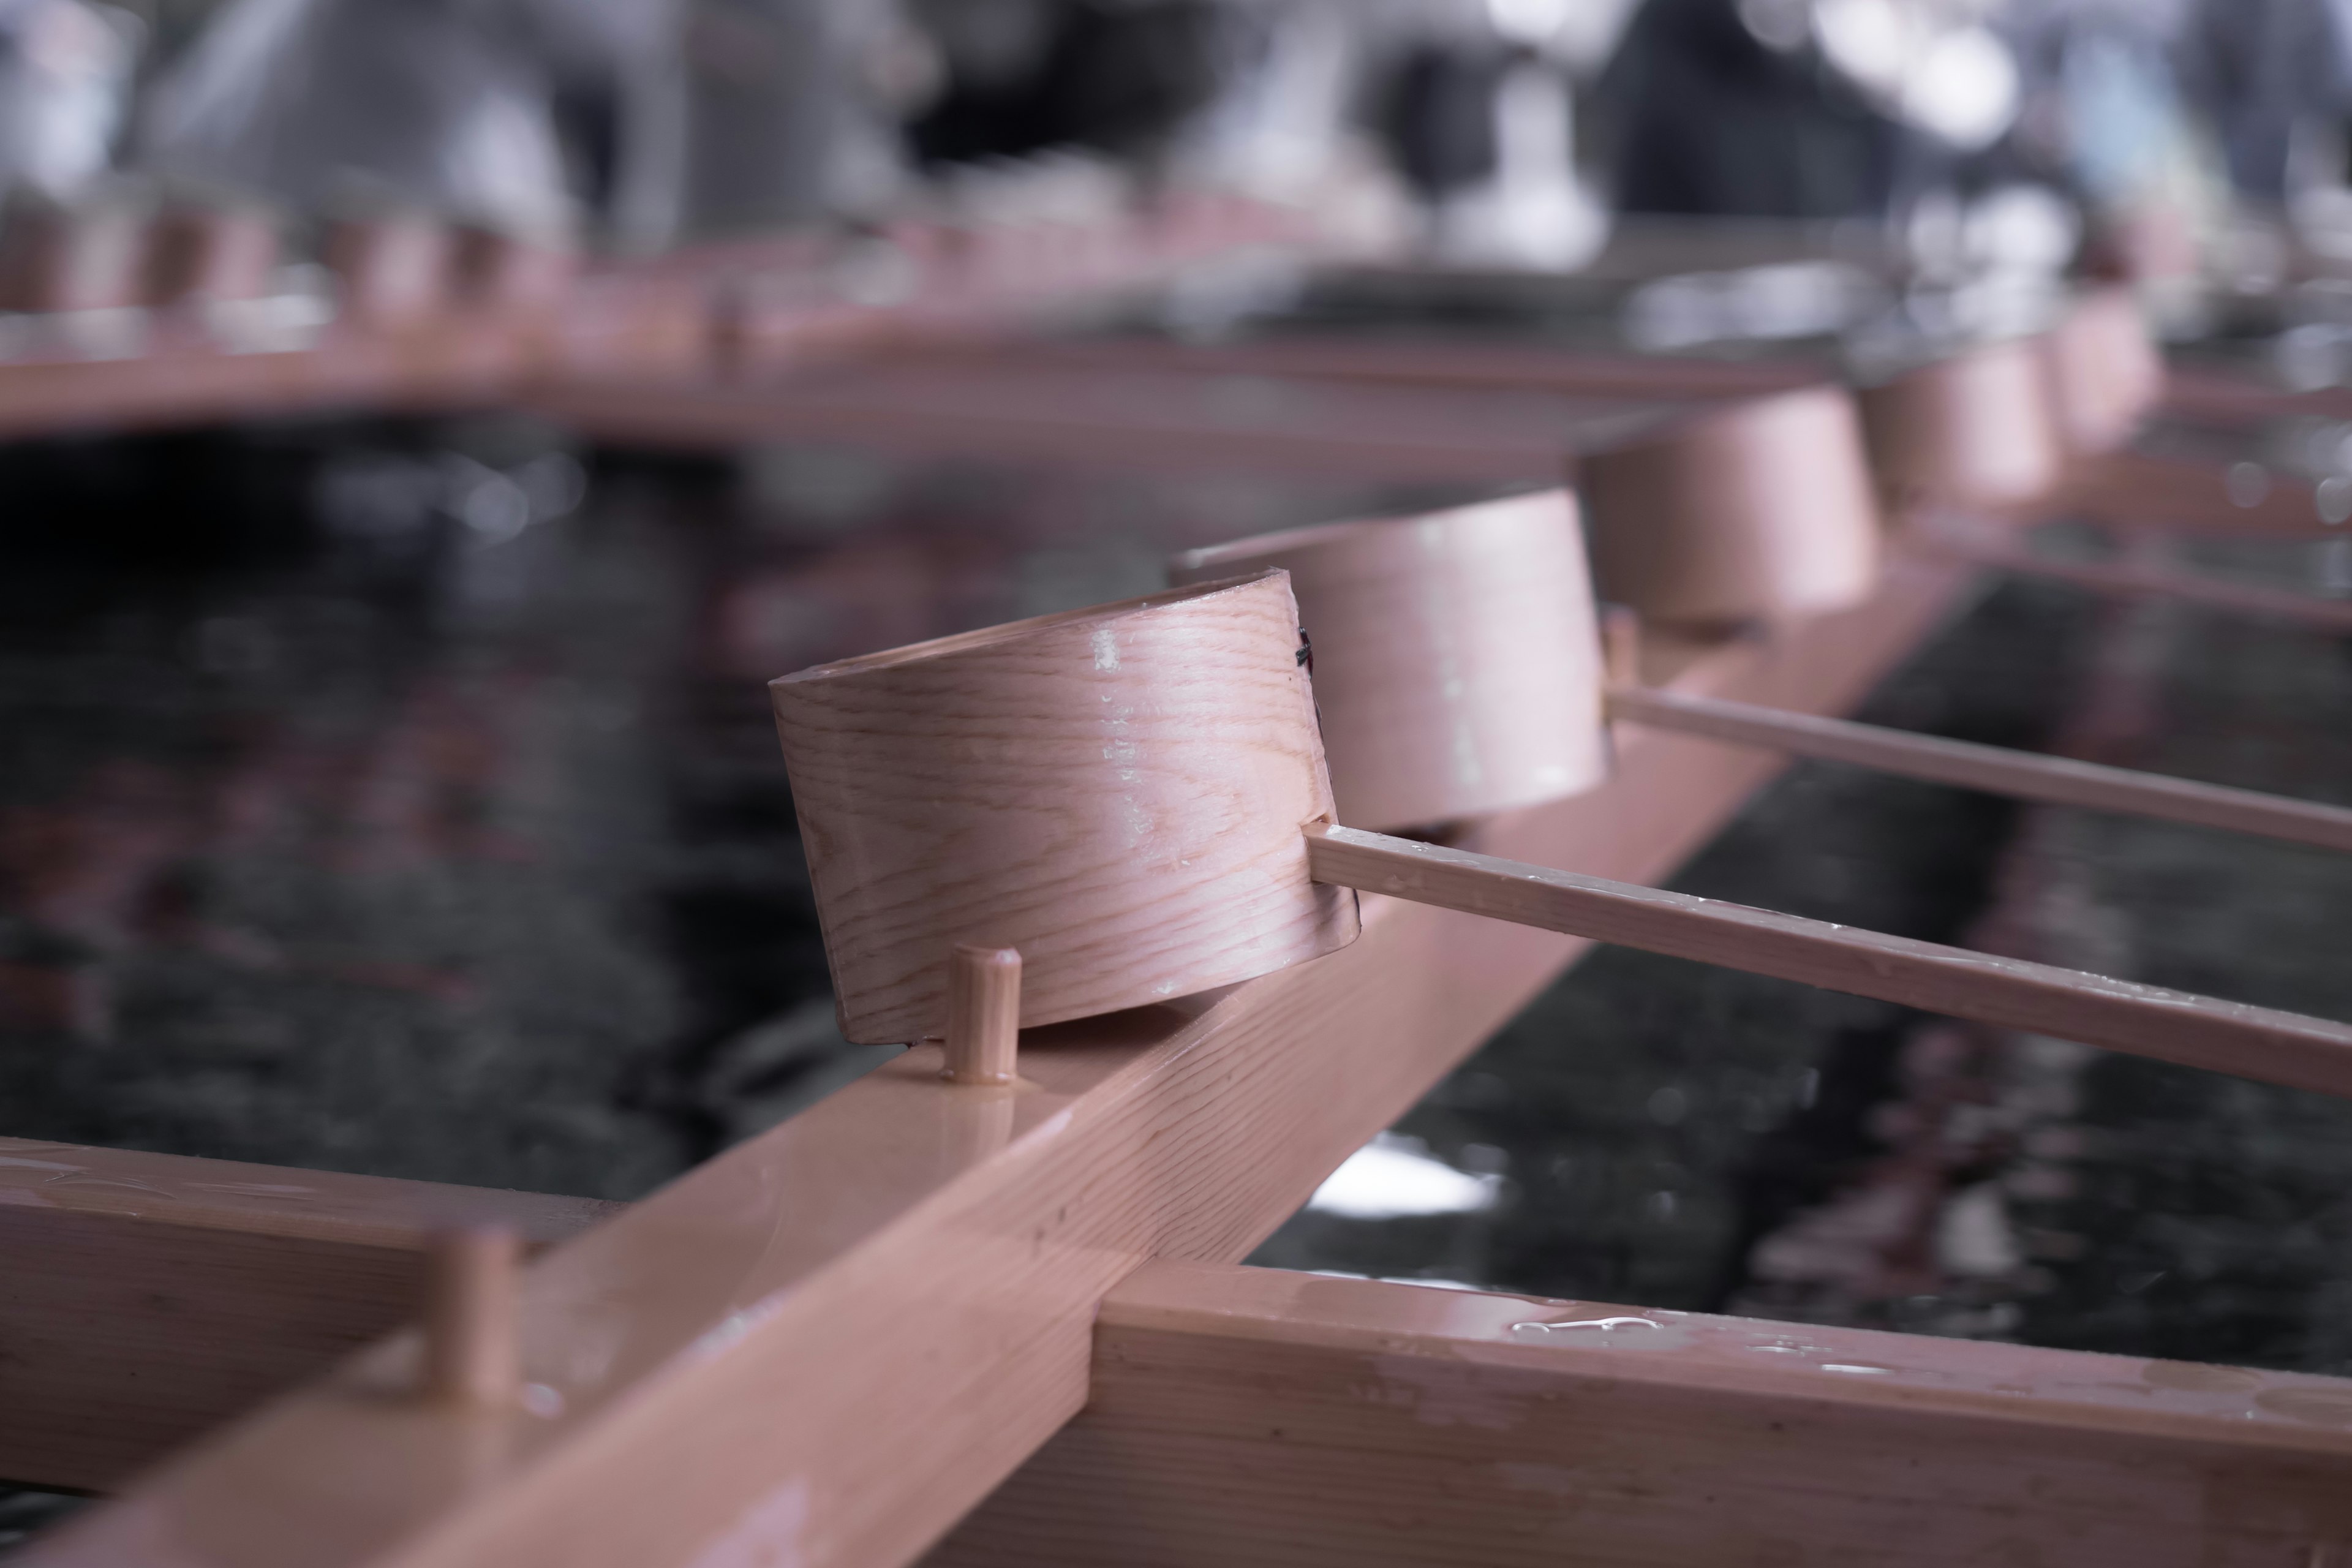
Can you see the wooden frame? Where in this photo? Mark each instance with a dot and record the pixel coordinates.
(1252, 1416)
(983, 1230)
(147, 1298)
(830, 1344)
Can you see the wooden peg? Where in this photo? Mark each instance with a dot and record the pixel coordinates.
(471, 1356)
(983, 1014)
(1621, 645)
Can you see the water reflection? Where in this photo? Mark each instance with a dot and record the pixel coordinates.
(401, 798)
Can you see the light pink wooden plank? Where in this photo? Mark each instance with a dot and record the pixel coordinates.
(1255, 1418)
(827, 1344)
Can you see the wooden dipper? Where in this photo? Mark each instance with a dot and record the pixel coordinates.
(83, 257)
(396, 270)
(1759, 510)
(1118, 793)
(1134, 797)
(1456, 668)
(497, 271)
(200, 252)
(1457, 672)
(1974, 429)
(2106, 371)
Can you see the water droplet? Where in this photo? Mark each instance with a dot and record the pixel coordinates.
(1859, 1369)
(1593, 1325)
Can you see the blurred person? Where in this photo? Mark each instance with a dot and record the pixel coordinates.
(65, 70)
(1477, 106)
(2261, 71)
(1284, 125)
(1723, 109)
(2107, 118)
(791, 109)
(1024, 76)
(448, 105)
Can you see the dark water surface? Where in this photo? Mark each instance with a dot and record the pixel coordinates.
(401, 798)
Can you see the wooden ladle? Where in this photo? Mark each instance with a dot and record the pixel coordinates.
(1134, 798)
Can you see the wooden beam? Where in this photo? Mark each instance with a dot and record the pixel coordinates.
(1432, 358)
(826, 1345)
(1247, 1416)
(192, 384)
(145, 1298)
(1034, 410)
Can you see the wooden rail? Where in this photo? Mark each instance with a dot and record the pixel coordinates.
(144, 1298)
(1152, 420)
(704, 1386)
(1243, 1417)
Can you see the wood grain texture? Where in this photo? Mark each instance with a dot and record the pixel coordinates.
(2259, 1043)
(1243, 1416)
(1456, 667)
(983, 1015)
(824, 1346)
(2056, 781)
(1974, 426)
(1115, 792)
(1759, 510)
(2106, 373)
(146, 1298)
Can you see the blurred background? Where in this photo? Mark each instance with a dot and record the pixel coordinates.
(386, 780)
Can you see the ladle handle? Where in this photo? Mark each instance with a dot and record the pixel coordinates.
(2058, 781)
(2134, 580)
(2143, 1020)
